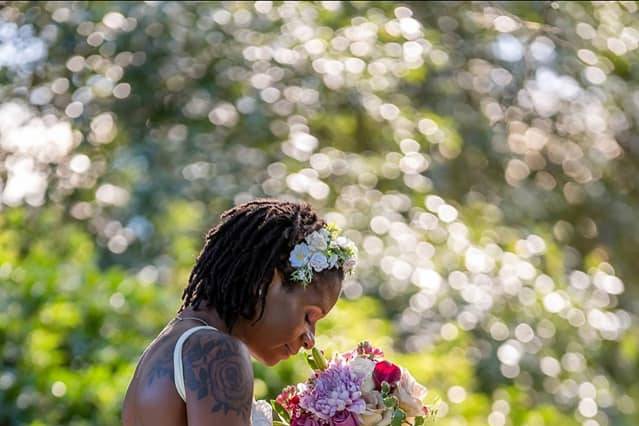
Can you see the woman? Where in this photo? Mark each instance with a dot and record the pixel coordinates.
(266, 274)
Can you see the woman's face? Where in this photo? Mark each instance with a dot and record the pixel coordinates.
(289, 315)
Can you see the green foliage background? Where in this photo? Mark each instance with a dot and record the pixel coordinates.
(483, 156)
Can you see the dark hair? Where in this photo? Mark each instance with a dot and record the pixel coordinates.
(241, 252)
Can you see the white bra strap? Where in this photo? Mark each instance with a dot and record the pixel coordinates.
(178, 371)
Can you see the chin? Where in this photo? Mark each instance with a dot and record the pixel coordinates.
(272, 362)
(269, 360)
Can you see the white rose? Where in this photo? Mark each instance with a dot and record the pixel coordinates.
(324, 232)
(364, 367)
(318, 261)
(410, 394)
(369, 418)
(386, 418)
(317, 241)
(368, 385)
(373, 400)
(375, 413)
(342, 242)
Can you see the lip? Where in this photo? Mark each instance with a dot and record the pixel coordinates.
(288, 349)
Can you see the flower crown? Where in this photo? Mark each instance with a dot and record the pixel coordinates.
(322, 249)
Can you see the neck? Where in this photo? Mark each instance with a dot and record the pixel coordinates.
(212, 318)
(209, 315)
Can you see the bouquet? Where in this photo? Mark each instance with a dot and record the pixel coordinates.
(356, 388)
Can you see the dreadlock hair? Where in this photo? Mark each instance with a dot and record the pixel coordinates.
(236, 265)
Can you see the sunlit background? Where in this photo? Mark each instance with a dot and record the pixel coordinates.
(483, 156)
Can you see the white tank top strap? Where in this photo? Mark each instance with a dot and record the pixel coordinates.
(178, 370)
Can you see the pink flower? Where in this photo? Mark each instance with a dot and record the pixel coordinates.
(386, 372)
(288, 399)
(305, 420)
(349, 355)
(344, 418)
(410, 394)
(367, 350)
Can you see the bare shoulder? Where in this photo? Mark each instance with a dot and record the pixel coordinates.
(151, 397)
(219, 379)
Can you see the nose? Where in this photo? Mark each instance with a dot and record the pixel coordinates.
(308, 340)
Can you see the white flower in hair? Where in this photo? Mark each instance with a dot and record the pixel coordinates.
(322, 249)
(325, 233)
(342, 242)
(300, 255)
(349, 264)
(318, 241)
(318, 261)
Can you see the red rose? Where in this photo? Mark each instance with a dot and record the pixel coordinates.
(386, 372)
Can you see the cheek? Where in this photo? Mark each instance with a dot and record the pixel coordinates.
(280, 325)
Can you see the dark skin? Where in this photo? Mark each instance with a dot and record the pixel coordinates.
(217, 365)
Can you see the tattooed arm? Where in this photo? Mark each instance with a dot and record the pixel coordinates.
(219, 380)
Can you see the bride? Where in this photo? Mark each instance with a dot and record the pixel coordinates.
(266, 274)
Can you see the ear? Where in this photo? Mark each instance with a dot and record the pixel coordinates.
(277, 275)
(277, 279)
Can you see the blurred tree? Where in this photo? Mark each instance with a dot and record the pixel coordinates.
(483, 155)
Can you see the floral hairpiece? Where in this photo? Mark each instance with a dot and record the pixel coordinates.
(322, 249)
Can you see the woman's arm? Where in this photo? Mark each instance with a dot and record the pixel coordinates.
(219, 380)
